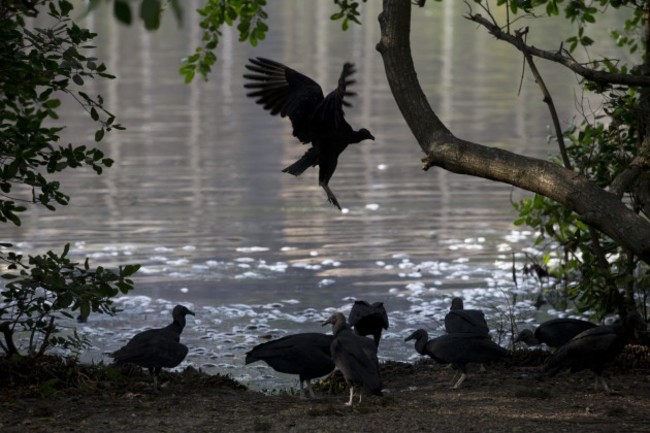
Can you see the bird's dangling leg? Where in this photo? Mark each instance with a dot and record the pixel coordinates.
(330, 195)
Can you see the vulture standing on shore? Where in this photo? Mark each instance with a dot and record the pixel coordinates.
(554, 333)
(367, 319)
(595, 347)
(355, 357)
(459, 320)
(306, 354)
(315, 118)
(156, 348)
(458, 350)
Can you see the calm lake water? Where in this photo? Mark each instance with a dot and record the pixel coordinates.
(198, 198)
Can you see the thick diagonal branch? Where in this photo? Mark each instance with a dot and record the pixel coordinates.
(594, 206)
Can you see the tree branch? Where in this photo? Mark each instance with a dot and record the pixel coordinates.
(601, 77)
(595, 206)
(548, 99)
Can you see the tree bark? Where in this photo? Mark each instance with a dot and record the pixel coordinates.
(595, 206)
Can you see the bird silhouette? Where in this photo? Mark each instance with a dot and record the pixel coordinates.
(156, 348)
(368, 319)
(460, 320)
(458, 350)
(306, 354)
(355, 357)
(594, 348)
(554, 333)
(315, 118)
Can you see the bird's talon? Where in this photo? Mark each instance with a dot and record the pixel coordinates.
(427, 163)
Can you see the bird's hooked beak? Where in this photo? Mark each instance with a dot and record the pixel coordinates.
(191, 312)
(328, 321)
(410, 337)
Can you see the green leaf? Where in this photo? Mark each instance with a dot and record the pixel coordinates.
(52, 103)
(122, 11)
(84, 309)
(65, 6)
(99, 134)
(129, 270)
(150, 12)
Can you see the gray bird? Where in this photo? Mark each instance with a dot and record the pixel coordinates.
(367, 319)
(355, 357)
(305, 354)
(594, 348)
(156, 348)
(457, 350)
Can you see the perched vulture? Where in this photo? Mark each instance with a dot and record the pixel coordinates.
(156, 348)
(355, 357)
(554, 333)
(306, 354)
(462, 321)
(367, 319)
(595, 347)
(458, 350)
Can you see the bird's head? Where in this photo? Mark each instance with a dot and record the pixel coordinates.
(457, 304)
(338, 322)
(182, 310)
(362, 134)
(420, 333)
(526, 336)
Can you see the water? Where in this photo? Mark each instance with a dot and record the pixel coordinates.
(198, 198)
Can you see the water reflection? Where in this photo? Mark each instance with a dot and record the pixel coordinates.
(198, 198)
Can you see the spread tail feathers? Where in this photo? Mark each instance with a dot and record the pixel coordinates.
(309, 159)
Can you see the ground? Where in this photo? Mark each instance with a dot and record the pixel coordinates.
(509, 397)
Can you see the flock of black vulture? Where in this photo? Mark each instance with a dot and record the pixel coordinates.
(576, 345)
(319, 120)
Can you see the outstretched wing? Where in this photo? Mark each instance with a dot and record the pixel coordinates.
(360, 309)
(329, 114)
(282, 90)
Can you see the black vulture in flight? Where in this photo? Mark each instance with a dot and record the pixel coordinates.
(555, 332)
(355, 357)
(306, 354)
(595, 347)
(156, 348)
(315, 118)
(367, 319)
(458, 350)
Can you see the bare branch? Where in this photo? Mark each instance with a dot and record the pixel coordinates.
(597, 76)
(548, 99)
